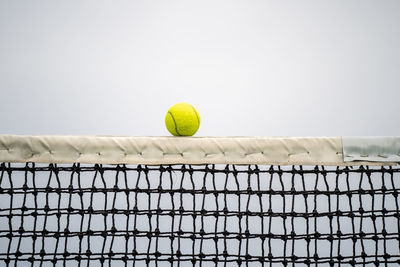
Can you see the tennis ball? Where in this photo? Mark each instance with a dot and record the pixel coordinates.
(182, 119)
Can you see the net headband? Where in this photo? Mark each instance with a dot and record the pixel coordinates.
(333, 151)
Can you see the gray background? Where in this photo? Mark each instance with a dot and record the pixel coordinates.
(250, 67)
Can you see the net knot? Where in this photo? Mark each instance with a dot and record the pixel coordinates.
(25, 187)
(181, 210)
(225, 210)
(90, 210)
(89, 232)
(149, 235)
(54, 168)
(292, 234)
(121, 168)
(270, 235)
(364, 255)
(76, 168)
(99, 169)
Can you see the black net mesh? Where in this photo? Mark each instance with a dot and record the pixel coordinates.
(208, 215)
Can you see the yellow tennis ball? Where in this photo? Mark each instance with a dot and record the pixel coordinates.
(182, 119)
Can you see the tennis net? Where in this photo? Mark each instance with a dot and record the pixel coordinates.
(121, 201)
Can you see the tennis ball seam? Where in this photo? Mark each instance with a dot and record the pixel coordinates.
(176, 126)
(197, 115)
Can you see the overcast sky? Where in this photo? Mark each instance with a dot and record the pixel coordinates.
(263, 68)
